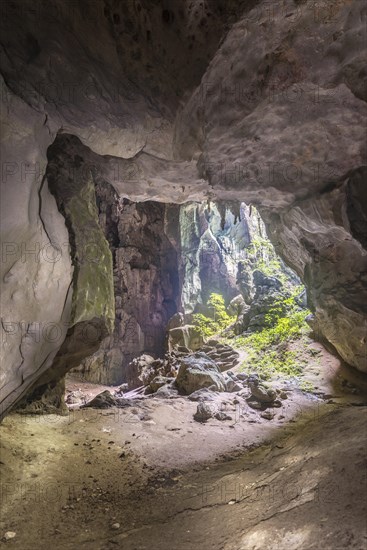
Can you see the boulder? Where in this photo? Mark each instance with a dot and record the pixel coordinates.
(186, 336)
(236, 305)
(262, 280)
(205, 394)
(233, 386)
(167, 391)
(224, 356)
(220, 415)
(205, 411)
(103, 400)
(199, 371)
(177, 320)
(160, 381)
(260, 392)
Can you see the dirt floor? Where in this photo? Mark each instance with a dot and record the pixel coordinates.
(150, 477)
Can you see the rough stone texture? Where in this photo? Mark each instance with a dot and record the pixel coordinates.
(223, 355)
(269, 293)
(35, 277)
(326, 247)
(146, 284)
(166, 257)
(187, 336)
(73, 188)
(184, 103)
(160, 381)
(211, 241)
(294, 129)
(199, 371)
(205, 411)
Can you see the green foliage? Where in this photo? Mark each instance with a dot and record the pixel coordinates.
(221, 320)
(267, 350)
(307, 386)
(284, 313)
(266, 259)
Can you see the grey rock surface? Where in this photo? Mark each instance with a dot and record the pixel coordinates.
(198, 371)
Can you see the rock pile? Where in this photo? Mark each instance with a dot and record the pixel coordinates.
(224, 356)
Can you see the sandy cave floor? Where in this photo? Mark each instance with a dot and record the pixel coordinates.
(295, 482)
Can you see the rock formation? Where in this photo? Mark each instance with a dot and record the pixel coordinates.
(227, 101)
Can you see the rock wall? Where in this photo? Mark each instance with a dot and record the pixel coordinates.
(167, 258)
(185, 102)
(326, 245)
(146, 284)
(36, 275)
(282, 121)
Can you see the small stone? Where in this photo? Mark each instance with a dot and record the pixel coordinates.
(222, 416)
(268, 415)
(203, 412)
(115, 526)
(9, 535)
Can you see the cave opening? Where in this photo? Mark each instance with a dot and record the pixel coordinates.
(183, 276)
(171, 263)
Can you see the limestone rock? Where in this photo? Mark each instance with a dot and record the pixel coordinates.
(220, 415)
(204, 394)
(236, 305)
(103, 400)
(160, 381)
(261, 393)
(186, 336)
(233, 386)
(224, 355)
(167, 392)
(268, 415)
(199, 371)
(205, 411)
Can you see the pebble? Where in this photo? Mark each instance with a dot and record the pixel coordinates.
(115, 526)
(9, 535)
(267, 415)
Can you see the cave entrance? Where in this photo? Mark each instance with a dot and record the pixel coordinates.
(185, 274)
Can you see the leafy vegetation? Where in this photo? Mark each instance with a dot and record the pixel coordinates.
(220, 320)
(264, 254)
(265, 259)
(268, 352)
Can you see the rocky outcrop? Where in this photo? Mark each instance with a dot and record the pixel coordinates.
(322, 246)
(286, 128)
(270, 296)
(186, 336)
(146, 284)
(36, 272)
(212, 240)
